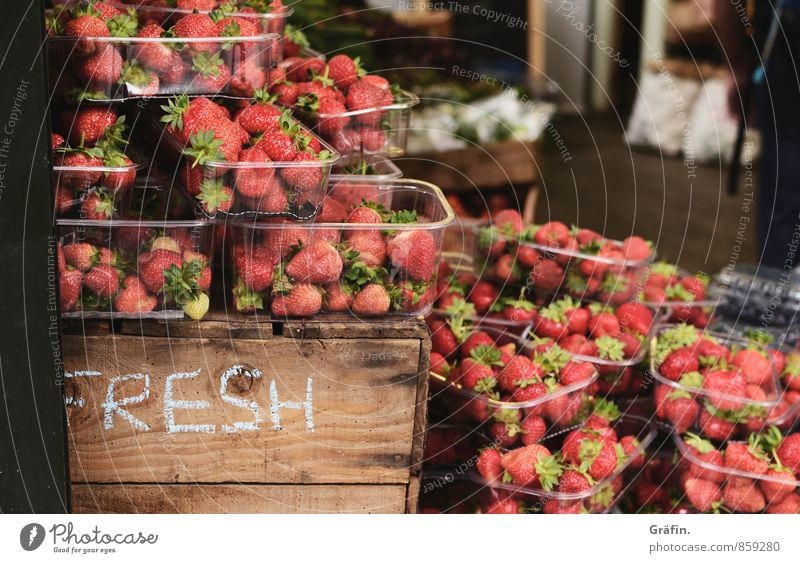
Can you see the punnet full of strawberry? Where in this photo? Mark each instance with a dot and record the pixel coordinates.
(134, 268)
(760, 474)
(519, 394)
(256, 161)
(575, 472)
(354, 111)
(92, 173)
(684, 295)
(109, 52)
(717, 385)
(363, 260)
(554, 258)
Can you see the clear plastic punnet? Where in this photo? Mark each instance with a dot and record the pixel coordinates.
(600, 269)
(717, 385)
(544, 478)
(134, 268)
(360, 257)
(758, 475)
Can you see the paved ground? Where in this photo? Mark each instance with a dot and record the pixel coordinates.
(616, 191)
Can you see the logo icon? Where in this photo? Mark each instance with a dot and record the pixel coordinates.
(31, 536)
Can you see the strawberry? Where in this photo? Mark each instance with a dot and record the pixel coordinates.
(330, 121)
(300, 69)
(361, 96)
(344, 71)
(97, 205)
(123, 175)
(318, 263)
(256, 181)
(577, 320)
(212, 74)
(706, 453)
(788, 452)
(504, 506)
(599, 457)
(509, 222)
(413, 253)
(742, 495)
(82, 177)
(372, 300)
(704, 495)
(477, 338)
(339, 299)
(302, 300)
(80, 255)
(753, 366)
(573, 481)
(377, 81)
(133, 297)
(87, 25)
(215, 196)
(681, 411)
(443, 340)
(503, 434)
(636, 248)
(156, 56)
(553, 233)
(152, 266)
(280, 143)
(547, 275)
(603, 324)
(634, 317)
(533, 429)
(483, 295)
(286, 93)
(197, 26)
(726, 389)
(714, 427)
(488, 464)
(677, 363)
(56, 141)
(87, 125)
(305, 178)
(789, 505)
(532, 465)
(369, 245)
(632, 448)
(102, 280)
(255, 266)
(518, 370)
(777, 484)
(69, 287)
(260, 116)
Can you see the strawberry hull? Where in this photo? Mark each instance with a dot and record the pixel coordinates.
(600, 496)
(231, 66)
(701, 384)
(713, 483)
(549, 269)
(77, 186)
(380, 130)
(134, 268)
(338, 267)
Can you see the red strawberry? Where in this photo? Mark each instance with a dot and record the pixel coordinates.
(133, 297)
(483, 296)
(603, 324)
(318, 263)
(302, 300)
(488, 464)
(286, 93)
(377, 81)
(197, 26)
(601, 455)
(153, 55)
(742, 495)
(504, 506)
(789, 505)
(123, 173)
(101, 70)
(370, 246)
(533, 429)
(304, 178)
(102, 280)
(532, 465)
(714, 427)
(477, 338)
(69, 286)
(635, 317)
(215, 196)
(83, 177)
(80, 255)
(97, 205)
(573, 482)
(152, 266)
(518, 369)
(753, 366)
(86, 26)
(256, 181)
(343, 71)
(636, 248)
(255, 265)
(372, 300)
(301, 69)
(777, 485)
(338, 300)
(361, 96)
(578, 320)
(677, 363)
(789, 453)
(553, 233)
(706, 453)
(547, 275)
(703, 495)
(632, 448)
(442, 339)
(509, 221)
(88, 125)
(259, 117)
(681, 411)
(413, 253)
(726, 389)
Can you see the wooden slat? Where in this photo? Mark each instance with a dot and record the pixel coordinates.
(364, 397)
(239, 499)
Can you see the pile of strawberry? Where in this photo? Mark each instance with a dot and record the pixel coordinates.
(132, 269)
(369, 269)
(575, 463)
(282, 168)
(518, 396)
(96, 175)
(721, 390)
(759, 475)
(236, 60)
(341, 102)
(544, 257)
(666, 285)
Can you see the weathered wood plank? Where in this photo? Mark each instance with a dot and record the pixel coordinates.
(238, 499)
(364, 394)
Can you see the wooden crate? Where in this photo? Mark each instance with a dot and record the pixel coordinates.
(235, 416)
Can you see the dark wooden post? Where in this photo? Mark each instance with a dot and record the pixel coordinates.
(33, 476)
